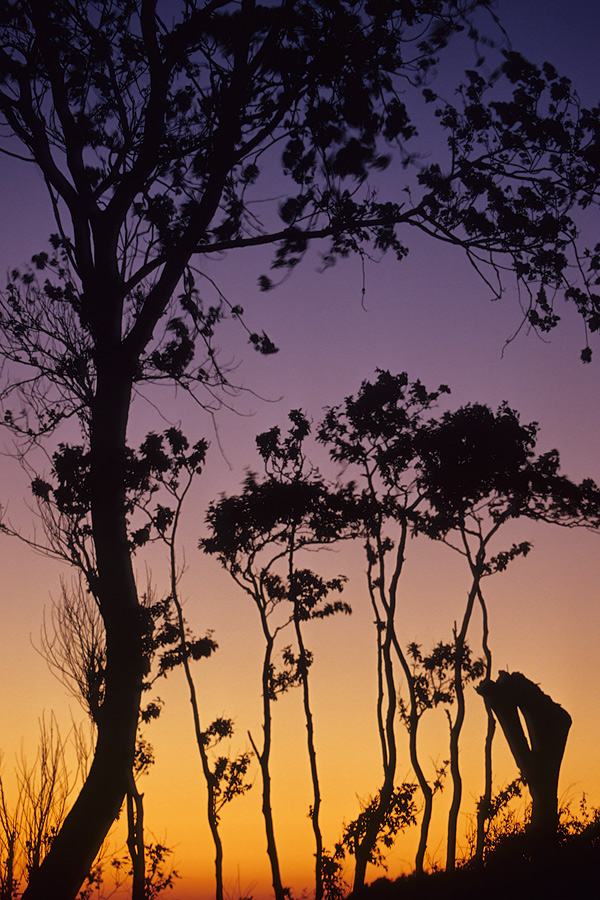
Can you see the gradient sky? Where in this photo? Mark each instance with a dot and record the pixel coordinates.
(430, 316)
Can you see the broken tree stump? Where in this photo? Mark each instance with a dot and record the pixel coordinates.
(538, 755)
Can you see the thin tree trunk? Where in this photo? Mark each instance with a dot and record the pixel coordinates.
(456, 727)
(414, 760)
(364, 848)
(483, 810)
(263, 760)
(388, 733)
(80, 838)
(312, 755)
(135, 840)
(308, 718)
(209, 777)
(427, 798)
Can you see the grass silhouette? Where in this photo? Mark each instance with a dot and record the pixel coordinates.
(569, 867)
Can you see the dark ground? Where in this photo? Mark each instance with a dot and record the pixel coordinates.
(567, 871)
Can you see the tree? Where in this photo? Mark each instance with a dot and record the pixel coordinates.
(154, 125)
(376, 432)
(225, 778)
(286, 464)
(479, 470)
(432, 684)
(257, 533)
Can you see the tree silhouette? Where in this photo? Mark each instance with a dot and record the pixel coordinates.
(376, 433)
(539, 758)
(155, 126)
(432, 683)
(286, 464)
(225, 777)
(254, 534)
(479, 470)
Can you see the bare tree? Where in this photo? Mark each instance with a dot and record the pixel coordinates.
(29, 825)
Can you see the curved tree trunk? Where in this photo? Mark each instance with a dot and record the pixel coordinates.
(78, 841)
(312, 755)
(427, 792)
(135, 839)
(483, 811)
(387, 695)
(263, 761)
(456, 726)
(425, 787)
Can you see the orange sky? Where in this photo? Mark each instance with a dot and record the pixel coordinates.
(430, 317)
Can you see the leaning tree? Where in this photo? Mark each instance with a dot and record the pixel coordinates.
(155, 125)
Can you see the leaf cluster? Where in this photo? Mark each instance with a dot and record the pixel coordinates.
(400, 813)
(433, 676)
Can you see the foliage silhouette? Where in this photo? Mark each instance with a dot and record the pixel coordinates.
(255, 533)
(479, 470)
(400, 812)
(376, 432)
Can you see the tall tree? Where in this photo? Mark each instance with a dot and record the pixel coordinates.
(224, 777)
(258, 536)
(286, 464)
(155, 125)
(376, 433)
(479, 470)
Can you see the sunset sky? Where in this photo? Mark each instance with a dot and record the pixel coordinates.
(432, 317)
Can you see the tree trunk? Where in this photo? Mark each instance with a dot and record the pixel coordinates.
(427, 792)
(456, 727)
(366, 845)
(312, 755)
(264, 761)
(483, 811)
(135, 839)
(78, 841)
(539, 758)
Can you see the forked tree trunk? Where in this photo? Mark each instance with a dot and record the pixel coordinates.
(135, 840)
(539, 758)
(78, 841)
